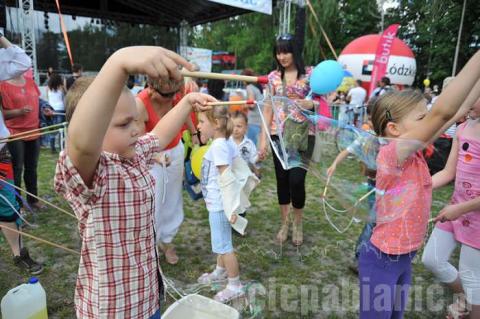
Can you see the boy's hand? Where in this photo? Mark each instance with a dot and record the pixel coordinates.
(156, 62)
(199, 101)
(233, 218)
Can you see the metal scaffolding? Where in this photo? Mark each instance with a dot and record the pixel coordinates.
(284, 16)
(27, 29)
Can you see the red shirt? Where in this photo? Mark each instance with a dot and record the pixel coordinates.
(189, 87)
(153, 118)
(16, 97)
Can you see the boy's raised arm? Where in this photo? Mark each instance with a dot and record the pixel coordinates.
(94, 111)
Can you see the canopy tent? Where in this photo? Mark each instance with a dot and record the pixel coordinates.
(155, 12)
(173, 13)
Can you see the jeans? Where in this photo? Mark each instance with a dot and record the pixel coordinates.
(156, 315)
(25, 154)
(56, 119)
(367, 230)
(253, 132)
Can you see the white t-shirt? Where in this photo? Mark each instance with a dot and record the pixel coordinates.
(357, 96)
(221, 152)
(55, 100)
(247, 150)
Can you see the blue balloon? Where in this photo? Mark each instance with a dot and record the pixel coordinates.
(326, 77)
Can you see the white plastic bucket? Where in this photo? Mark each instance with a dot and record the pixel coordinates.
(199, 307)
(27, 301)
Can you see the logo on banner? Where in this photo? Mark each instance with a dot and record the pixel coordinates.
(367, 67)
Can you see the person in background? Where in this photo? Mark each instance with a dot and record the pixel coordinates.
(77, 70)
(56, 96)
(290, 79)
(383, 87)
(153, 103)
(356, 98)
(215, 89)
(13, 60)
(20, 107)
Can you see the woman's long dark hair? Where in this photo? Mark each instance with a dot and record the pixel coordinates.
(287, 44)
(55, 82)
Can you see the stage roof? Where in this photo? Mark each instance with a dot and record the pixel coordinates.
(155, 12)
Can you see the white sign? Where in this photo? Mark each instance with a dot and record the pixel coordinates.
(201, 57)
(400, 69)
(263, 6)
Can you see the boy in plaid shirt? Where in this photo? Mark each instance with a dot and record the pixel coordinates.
(104, 175)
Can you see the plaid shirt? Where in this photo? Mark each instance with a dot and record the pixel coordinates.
(118, 272)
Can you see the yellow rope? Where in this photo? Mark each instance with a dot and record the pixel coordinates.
(321, 29)
(40, 240)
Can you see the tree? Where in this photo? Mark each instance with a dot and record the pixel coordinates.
(249, 36)
(430, 28)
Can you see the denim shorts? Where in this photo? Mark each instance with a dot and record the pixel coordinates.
(220, 233)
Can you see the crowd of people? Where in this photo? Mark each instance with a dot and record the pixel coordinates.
(123, 167)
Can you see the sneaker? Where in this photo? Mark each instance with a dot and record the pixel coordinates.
(228, 294)
(209, 278)
(37, 206)
(26, 263)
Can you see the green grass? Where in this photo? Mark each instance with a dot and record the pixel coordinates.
(309, 282)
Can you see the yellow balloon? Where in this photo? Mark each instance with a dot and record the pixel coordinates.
(347, 83)
(426, 82)
(196, 160)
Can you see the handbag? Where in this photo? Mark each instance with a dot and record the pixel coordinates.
(295, 134)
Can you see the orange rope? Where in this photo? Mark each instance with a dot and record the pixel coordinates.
(64, 31)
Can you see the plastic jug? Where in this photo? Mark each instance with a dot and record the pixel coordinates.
(27, 301)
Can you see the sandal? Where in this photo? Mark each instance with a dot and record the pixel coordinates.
(297, 234)
(171, 255)
(210, 278)
(228, 294)
(458, 310)
(169, 252)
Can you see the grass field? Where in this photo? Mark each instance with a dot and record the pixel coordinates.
(309, 282)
